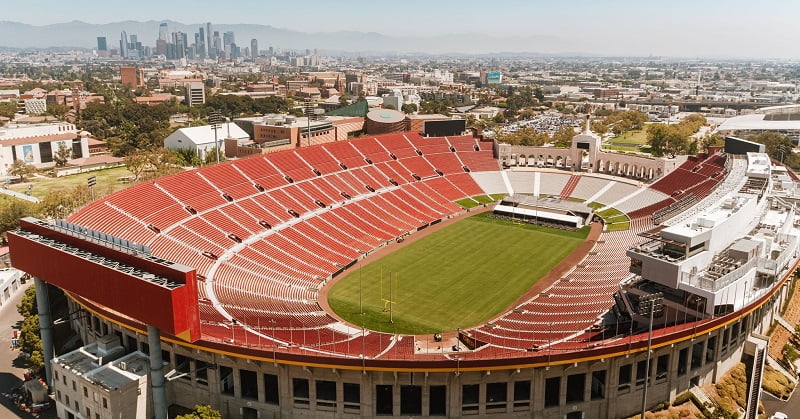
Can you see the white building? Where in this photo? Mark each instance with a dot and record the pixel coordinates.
(195, 94)
(202, 138)
(98, 381)
(38, 144)
(35, 106)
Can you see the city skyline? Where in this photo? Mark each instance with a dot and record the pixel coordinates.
(625, 28)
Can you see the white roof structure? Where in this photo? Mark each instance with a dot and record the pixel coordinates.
(756, 121)
(204, 135)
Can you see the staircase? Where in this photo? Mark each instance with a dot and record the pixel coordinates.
(703, 398)
(570, 186)
(754, 394)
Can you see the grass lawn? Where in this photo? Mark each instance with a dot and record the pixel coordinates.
(615, 219)
(454, 278)
(616, 147)
(107, 182)
(478, 200)
(631, 137)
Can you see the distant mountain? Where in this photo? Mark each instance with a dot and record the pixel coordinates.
(83, 35)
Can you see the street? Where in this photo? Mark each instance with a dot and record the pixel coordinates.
(10, 374)
(772, 404)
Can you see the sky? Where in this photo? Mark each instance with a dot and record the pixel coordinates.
(739, 28)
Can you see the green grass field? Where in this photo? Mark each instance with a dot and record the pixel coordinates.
(479, 200)
(107, 182)
(454, 278)
(631, 137)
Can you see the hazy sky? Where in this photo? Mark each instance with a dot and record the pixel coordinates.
(752, 28)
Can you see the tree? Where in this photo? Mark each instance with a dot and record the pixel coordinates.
(187, 157)
(27, 305)
(11, 210)
(408, 108)
(58, 110)
(201, 412)
(563, 137)
(778, 146)
(60, 204)
(62, 155)
(8, 109)
(136, 161)
(524, 136)
(21, 169)
(789, 353)
(392, 107)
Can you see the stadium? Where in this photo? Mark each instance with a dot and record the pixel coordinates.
(366, 277)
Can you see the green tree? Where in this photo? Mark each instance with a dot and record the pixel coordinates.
(789, 353)
(408, 108)
(392, 107)
(11, 210)
(58, 110)
(563, 137)
(27, 305)
(62, 155)
(187, 157)
(778, 146)
(8, 109)
(136, 161)
(21, 169)
(201, 412)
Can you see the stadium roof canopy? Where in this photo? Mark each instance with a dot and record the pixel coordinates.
(757, 121)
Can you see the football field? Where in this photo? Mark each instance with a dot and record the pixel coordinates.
(457, 277)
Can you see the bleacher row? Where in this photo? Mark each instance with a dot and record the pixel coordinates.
(267, 231)
(561, 317)
(265, 264)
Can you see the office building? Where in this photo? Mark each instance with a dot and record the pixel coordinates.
(132, 77)
(254, 48)
(123, 44)
(195, 94)
(102, 45)
(162, 31)
(210, 53)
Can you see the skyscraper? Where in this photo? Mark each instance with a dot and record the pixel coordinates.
(254, 48)
(123, 44)
(210, 53)
(101, 43)
(162, 31)
(202, 43)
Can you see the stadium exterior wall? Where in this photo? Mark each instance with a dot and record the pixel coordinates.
(697, 357)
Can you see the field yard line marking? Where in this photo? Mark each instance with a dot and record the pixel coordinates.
(507, 181)
(537, 183)
(602, 190)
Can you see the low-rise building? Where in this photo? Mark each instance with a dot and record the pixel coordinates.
(99, 381)
(38, 144)
(203, 139)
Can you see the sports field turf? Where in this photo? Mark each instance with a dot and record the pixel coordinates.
(457, 277)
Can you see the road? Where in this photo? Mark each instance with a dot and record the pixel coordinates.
(772, 404)
(11, 375)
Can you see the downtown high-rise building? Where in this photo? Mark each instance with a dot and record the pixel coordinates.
(102, 45)
(123, 44)
(210, 52)
(201, 43)
(163, 30)
(254, 48)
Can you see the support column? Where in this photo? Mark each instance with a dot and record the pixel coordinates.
(157, 381)
(45, 327)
